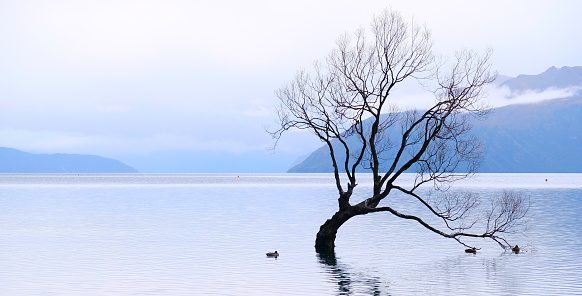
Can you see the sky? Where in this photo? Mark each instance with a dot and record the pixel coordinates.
(188, 86)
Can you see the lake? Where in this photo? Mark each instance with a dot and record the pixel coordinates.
(207, 234)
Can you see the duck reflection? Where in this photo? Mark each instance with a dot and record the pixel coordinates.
(349, 282)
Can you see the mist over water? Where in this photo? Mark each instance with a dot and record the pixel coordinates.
(207, 234)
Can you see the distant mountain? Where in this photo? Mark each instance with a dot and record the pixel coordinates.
(537, 137)
(525, 138)
(500, 79)
(553, 77)
(16, 161)
(533, 138)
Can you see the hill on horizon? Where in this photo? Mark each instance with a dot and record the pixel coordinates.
(553, 77)
(16, 161)
(536, 137)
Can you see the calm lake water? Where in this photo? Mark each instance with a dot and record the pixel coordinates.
(197, 234)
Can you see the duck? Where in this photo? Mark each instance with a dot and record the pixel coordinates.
(273, 254)
(516, 249)
(472, 250)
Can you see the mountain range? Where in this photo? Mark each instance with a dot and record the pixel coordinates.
(544, 136)
(553, 77)
(16, 161)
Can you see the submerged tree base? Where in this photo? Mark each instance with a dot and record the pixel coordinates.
(325, 239)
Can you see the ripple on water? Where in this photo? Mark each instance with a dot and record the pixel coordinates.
(206, 235)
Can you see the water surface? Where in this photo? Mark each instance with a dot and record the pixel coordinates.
(197, 234)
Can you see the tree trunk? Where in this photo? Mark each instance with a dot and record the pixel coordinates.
(325, 240)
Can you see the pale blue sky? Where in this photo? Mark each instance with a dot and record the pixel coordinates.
(188, 85)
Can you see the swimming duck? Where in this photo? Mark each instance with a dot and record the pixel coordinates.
(273, 254)
(516, 249)
(472, 250)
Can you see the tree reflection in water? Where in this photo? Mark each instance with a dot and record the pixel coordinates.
(350, 282)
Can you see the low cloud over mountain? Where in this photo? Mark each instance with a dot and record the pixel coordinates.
(539, 136)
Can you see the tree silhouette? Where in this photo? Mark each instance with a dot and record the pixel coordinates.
(346, 103)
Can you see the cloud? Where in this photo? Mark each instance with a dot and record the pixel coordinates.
(260, 112)
(120, 131)
(116, 77)
(502, 96)
(51, 142)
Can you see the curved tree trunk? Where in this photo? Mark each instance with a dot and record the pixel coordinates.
(325, 240)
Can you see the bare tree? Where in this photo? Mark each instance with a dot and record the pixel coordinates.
(345, 103)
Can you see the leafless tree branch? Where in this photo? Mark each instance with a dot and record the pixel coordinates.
(346, 102)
